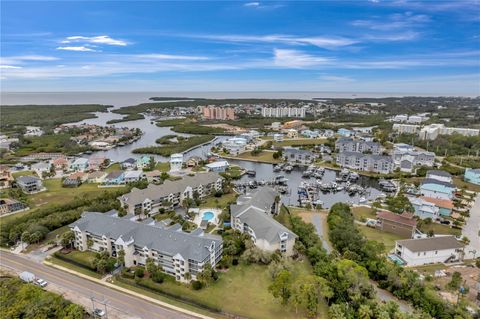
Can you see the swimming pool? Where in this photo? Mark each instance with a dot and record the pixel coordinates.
(399, 261)
(208, 216)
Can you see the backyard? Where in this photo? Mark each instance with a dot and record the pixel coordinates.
(388, 239)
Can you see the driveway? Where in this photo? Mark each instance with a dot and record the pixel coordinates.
(318, 220)
(472, 230)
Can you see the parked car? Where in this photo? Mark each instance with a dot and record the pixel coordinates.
(40, 282)
(98, 313)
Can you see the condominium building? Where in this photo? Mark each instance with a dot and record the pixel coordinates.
(218, 113)
(406, 128)
(406, 158)
(432, 131)
(346, 144)
(252, 215)
(180, 254)
(283, 112)
(366, 162)
(170, 193)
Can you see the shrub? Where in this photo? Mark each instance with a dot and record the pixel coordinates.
(196, 285)
(158, 276)
(139, 272)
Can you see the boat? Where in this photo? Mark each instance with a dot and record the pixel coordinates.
(339, 188)
(288, 168)
(339, 179)
(344, 172)
(252, 184)
(387, 186)
(317, 202)
(362, 200)
(277, 168)
(353, 176)
(280, 180)
(251, 173)
(307, 173)
(282, 189)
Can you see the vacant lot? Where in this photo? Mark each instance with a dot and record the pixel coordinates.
(387, 239)
(300, 142)
(363, 212)
(264, 156)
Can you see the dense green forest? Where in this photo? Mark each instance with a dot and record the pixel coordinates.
(130, 117)
(449, 145)
(50, 143)
(45, 116)
(21, 300)
(170, 98)
(168, 148)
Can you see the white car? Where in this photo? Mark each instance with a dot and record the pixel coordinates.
(98, 313)
(42, 283)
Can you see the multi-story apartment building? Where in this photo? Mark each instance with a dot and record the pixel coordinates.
(170, 193)
(346, 144)
(218, 113)
(283, 112)
(366, 162)
(407, 158)
(432, 131)
(252, 215)
(406, 128)
(180, 254)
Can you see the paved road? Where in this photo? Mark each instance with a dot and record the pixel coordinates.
(135, 307)
(317, 222)
(472, 229)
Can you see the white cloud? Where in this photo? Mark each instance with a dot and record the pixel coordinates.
(258, 5)
(20, 59)
(77, 48)
(10, 67)
(397, 21)
(156, 56)
(101, 39)
(318, 41)
(335, 78)
(251, 4)
(297, 59)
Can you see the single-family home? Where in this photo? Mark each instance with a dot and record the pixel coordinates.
(97, 177)
(440, 175)
(80, 164)
(328, 133)
(435, 188)
(97, 163)
(445, 206)
(75, 179)
(30, 184)
(423, 251)
(176, 162)
(310, 134)
(177, 253)
(129, 163)
(33, 131)
(8, 205)
(115, 178)
(345, 132)
(218, 166)
(194, 161)
(298, 156)
(278, 137)
(424, 209)
(60, 163)
(401, 224)
(133, 176)
(292, 133)
(144, 162)
(6, 177)
(253, 215)
(472, 176)
(40, 168)
(154, 176)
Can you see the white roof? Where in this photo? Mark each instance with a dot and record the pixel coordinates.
(217, 164)
(80, 160)
(133, 174)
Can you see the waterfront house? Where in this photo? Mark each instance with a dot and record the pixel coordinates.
(170, 193)
(129, 163)
(235, 145)
(218, 166)
(115, 178)
(176, 162)
(472, 176)
(6, 177)
(144, 162)
(30, 184)
(298, 156)
(8, 205)
(194, 161)
(439, 175)
(424, 251)
(400, 224)
(434, 188)
(97, 163)
(97, 177)
(177, 253)
(80, 164)
(365, 162)
(253, 215)
(60, 163)
(133, 176)
(154, 176)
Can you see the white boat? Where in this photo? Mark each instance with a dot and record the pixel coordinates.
(362, 200)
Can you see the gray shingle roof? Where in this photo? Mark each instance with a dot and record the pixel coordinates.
(439, 173)
(436, 181)
(27, 179)
(432, 243)
(164, 240)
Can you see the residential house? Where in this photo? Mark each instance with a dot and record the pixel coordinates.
(154, 176)
(278, 137)
(424, 209)
(33, 131)
(80, 164)
(133, 176)
(144, 162)
(97, 163)
(97, 177)
(218, 166)
(253, 215)
(30, 184)
(176, 162)
(298, 156)
(41, 168)
(170, 193)
(75, 179)
(401, 224)
(444, 206)
(423, 251)
(60, 163)
(346, 144)
(439, 175)
(434, 188)
(366, 162)
(292, 133)
(6, 177)
(345, 132)
(8, 206)
(472, 176)
(177, 253)
(310, 134)
(115, 178)
(328, 133)
(194, 161)
(129, 163)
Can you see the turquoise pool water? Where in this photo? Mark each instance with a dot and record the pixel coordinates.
(396, 259)
(208, 216)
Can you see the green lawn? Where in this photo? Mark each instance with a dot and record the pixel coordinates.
(24, 173)
(83, 257)
(162, 166)
(113, 167)
(440, 229)
(360, 213)
(73, 267)
(219, 202)
(387, 239)
(460, 183)
(236, 293)
(300, 142)
(264, 156)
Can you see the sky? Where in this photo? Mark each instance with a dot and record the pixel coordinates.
(407, 46)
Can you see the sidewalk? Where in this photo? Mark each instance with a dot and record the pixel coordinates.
(130, 292)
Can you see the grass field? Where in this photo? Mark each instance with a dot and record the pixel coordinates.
(460, 183)
(162, 166)
(439, 229)
(235, 293)
(264, 156)
(387, 239)
(73, 267)
(362, 212)
(219, 202)
(300, 142)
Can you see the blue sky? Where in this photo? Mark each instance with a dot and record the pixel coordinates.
(353, 46)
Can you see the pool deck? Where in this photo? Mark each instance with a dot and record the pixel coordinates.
(199, 216)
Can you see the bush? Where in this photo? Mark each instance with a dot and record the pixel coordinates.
(127, 273)
(196, 285)
(158, 277)
(139, 272)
